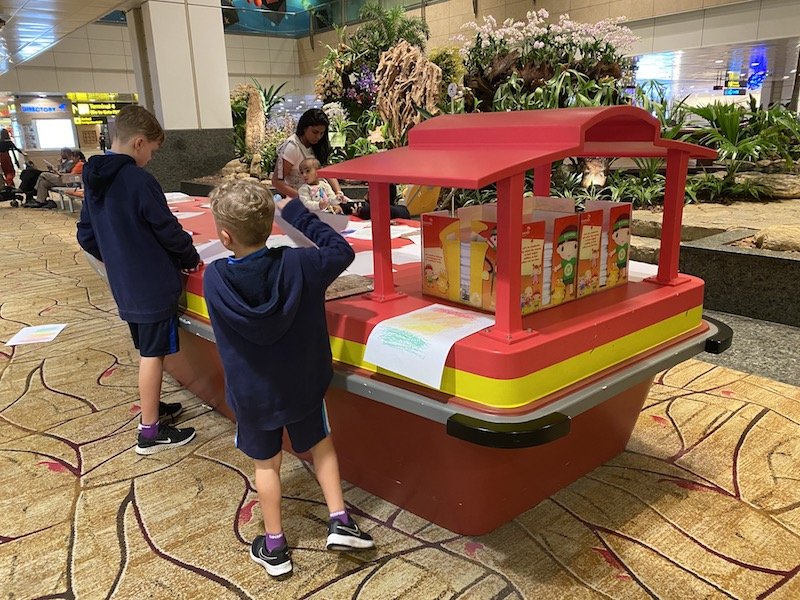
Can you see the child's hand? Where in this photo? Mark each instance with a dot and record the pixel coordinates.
(323, 204)
(194, 269)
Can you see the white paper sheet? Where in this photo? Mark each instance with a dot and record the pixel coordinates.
(337, 222)
(354, 226)
(177, 197)
(414, 237)
(186, 214)
(358, 233)
(211, 251)
(407, 254)
(416, 344)
(637, 271)
(275, 241)
(36, 334)
(362, 264)
(396, 231)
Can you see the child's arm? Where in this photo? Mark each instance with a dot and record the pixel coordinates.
(326, 187)
(165, 226)
(333, 254)
(304, 192)
(85, 234)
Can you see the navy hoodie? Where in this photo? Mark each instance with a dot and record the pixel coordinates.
(268, 316)
(126, 223)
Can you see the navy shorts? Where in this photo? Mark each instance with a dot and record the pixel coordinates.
(261, 444)
(156, 339)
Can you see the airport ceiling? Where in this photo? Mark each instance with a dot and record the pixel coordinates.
(33, 26)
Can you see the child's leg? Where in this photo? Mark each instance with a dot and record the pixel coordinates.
(270, 550)
(151, 370)
(268, 485)
(326, 466)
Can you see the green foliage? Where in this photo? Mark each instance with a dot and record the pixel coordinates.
(567, 88)
(449, 61)
(239, 98)
(383, 28)
(269, 97)
(275, 133)
(652, 97)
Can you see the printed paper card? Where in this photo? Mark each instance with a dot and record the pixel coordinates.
(421, 340)
(36, 335)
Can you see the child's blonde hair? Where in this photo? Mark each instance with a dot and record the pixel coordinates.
(309, 163)
(244, 209)
(136, 120)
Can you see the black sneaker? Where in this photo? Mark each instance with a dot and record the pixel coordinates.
(347, 537)
(278, 562)
(169, 410)
(168, 437)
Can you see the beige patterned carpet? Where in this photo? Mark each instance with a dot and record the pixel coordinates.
(705, 502)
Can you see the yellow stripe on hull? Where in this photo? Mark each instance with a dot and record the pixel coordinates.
(513, 393)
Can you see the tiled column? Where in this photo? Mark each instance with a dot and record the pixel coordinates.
(178, 50)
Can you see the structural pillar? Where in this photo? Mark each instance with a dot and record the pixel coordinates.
(178, 49)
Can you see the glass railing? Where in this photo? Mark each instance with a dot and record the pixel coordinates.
(288, 18)
(298, 18)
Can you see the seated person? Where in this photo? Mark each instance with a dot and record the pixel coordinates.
(48, 181)
(316, 193)
(27, 182)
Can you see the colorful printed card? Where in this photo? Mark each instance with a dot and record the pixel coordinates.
(416, 344)
(36, 335)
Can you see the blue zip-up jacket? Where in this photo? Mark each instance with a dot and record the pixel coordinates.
(268, 315)
(126, 223)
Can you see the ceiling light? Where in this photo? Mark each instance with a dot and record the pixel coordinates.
(793, 71)
(718, 62)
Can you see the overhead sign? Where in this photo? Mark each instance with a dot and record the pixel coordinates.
(734, 91)
(97, 109)
(43, 108)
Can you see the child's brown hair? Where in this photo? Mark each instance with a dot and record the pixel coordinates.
(136, 120)
(244, 209)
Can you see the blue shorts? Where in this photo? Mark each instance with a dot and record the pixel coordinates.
(261, 444)
(156, 339)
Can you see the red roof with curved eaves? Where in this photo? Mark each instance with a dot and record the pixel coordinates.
(474, 150)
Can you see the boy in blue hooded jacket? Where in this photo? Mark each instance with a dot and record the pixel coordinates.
(267, 309)
(126, 223)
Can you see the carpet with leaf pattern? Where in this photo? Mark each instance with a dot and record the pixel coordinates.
(704, 503)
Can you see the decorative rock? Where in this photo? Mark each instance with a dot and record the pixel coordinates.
(781, 185)
(784, 238)
(232, 167)
(256, 122)
(255, 165)
(242, 176)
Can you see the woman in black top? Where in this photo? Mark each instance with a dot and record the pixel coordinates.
(7, 148)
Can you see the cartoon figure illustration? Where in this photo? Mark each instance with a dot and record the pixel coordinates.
(567, 249)
(622, 236)
(430, 278)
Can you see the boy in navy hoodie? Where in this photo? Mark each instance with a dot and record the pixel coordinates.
(267, 309)
(126, 223)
